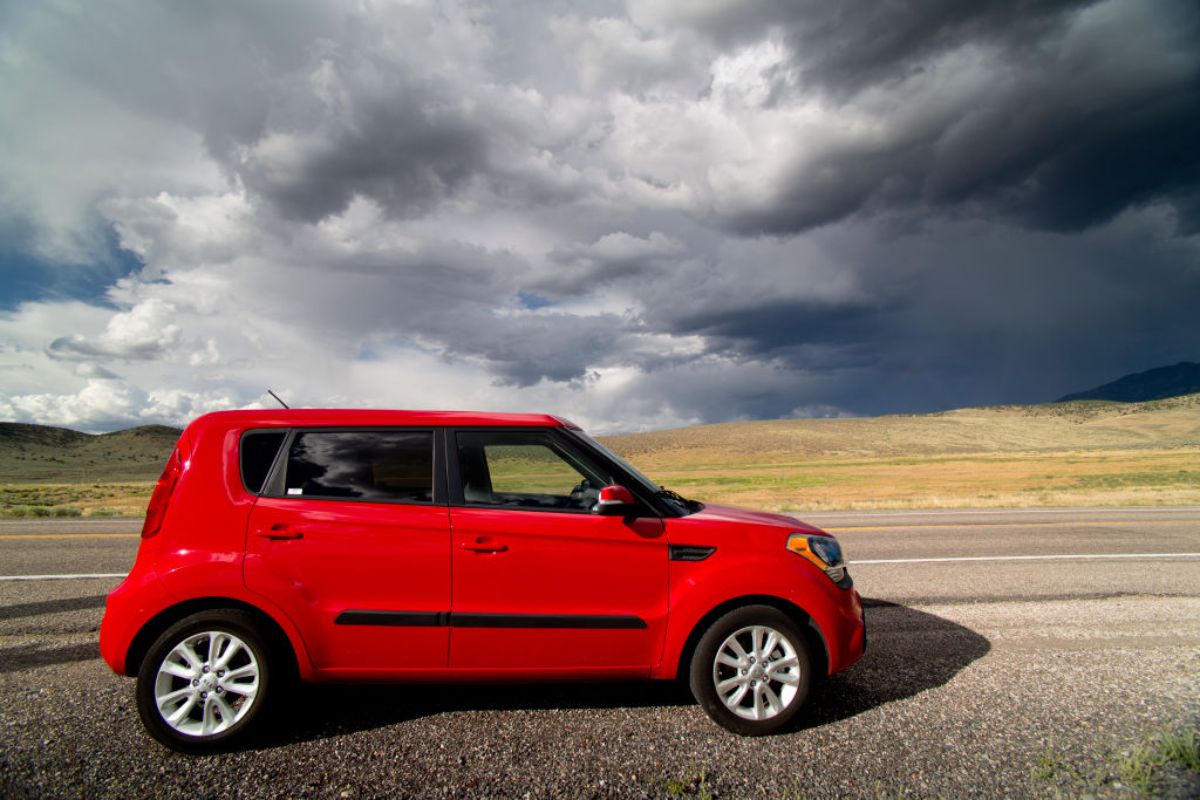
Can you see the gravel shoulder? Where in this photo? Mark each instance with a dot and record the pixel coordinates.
(950, 701)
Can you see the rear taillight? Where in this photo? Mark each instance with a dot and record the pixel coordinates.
(162, 495)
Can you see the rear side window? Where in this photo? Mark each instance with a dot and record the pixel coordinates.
(258, 454)
(387, 466)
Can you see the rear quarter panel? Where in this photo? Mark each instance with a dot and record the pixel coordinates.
(200, 549)
(203, 540)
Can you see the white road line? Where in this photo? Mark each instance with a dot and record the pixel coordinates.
(1057, 557)
(61, 577)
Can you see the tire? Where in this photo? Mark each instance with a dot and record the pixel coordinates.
(751, 700)
(205, 682)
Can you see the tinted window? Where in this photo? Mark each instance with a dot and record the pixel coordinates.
(392, 466)
(526, 470)
(258, 453)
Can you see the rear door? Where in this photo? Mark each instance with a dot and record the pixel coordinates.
(351, 538)
(541, 582)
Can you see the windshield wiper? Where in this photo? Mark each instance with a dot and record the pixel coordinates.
(676, 496)
(691, 506)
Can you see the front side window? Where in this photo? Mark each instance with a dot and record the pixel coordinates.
(385, 466)
(516, 469)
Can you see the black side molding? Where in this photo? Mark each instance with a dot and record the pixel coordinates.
(544, 621)
(689, 552)
(427, 619)
(406, 619)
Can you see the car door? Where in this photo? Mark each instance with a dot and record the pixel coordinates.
(540, 582)
(352, 541)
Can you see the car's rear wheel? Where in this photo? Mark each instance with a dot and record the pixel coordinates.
(204, 682)
(751, 671)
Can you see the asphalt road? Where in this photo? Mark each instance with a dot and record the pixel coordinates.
(1015, 654)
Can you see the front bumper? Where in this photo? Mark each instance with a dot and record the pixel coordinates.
(852, 628)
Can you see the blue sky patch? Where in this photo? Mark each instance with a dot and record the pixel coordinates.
(533, 301)
(27, 278)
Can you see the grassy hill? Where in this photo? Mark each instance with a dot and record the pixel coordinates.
(31, 453)
(1058, 454)
(47, 471)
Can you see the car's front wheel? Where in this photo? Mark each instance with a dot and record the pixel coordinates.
(204, 681)
(751, 671)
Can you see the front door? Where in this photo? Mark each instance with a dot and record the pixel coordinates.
(541, 582)
(349, 542)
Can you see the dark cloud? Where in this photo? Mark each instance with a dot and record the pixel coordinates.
(847, 46)
(403, 152)
(449, 298)
(308, 104)
(553, 347)
(1077, 111)
(212, 66)
(960, 314)
(1142, 153)
(616, 257)
(793, 329)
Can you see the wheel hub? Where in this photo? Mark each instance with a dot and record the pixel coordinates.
(207, 683)
(757, 672)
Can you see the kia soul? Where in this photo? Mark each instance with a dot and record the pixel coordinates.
(353, 545)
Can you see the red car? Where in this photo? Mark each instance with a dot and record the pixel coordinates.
(333, 545)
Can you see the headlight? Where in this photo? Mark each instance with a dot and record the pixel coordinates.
(824, 551)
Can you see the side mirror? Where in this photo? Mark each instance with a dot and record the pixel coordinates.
(614, 501)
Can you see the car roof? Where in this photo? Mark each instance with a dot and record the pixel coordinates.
(320, 417)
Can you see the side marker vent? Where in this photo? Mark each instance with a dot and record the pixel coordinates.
(689, 552)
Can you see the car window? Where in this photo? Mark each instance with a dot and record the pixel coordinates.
(386, 466)
(514, 469)
(258, 453)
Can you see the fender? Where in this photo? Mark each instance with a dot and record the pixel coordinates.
(697, 588)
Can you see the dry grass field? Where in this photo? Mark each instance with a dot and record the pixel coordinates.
(1062, 454)
(74, 499)
(1086, 453)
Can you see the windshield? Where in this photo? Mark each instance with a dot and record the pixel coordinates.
(681, 504)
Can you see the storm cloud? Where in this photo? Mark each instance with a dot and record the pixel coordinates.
(1049, 114)
(635, 214)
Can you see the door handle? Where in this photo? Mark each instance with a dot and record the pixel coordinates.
(482, 545)
(279, 532)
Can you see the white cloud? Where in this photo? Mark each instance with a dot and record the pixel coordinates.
(146, 331)
(100, 403)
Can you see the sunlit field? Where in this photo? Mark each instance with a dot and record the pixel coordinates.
(1017, 480)
(1067, 454)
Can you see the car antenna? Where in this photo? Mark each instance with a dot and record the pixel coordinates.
(285, 405)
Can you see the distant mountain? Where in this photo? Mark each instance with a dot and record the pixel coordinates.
(32, 453)
(1153, 384)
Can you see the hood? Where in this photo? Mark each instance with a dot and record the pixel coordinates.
(733, 514)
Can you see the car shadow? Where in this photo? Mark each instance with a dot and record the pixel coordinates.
(19, 610)
(909, 652)
(13, 659)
